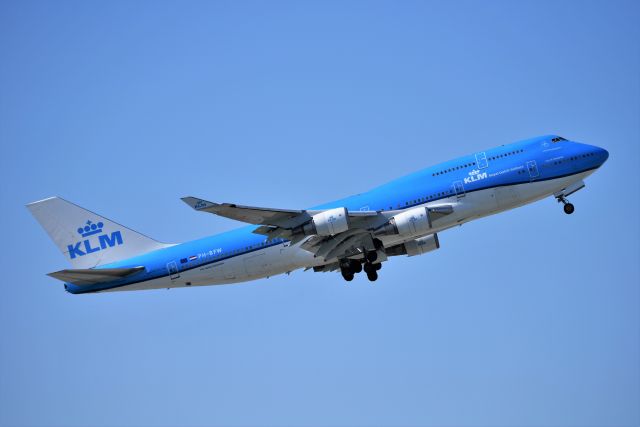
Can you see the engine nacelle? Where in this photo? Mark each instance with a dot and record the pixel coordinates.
(328, 223)
(413, 222)
(416, 247)
(422, 245)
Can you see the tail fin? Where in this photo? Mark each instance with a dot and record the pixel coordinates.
(87, 239)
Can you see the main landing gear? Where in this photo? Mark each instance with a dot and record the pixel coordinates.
(372, 271)
(568, 207)
(349, 267)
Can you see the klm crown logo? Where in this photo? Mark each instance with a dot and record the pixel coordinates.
(91, 244)
(90, 229)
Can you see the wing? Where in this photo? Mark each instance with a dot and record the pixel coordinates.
(288, 223)
(286, 218)
(270, 218)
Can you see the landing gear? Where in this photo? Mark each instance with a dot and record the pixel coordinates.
(356, 266)
(347, 275)
(371, 256)
(377, 243)
(568, 207)
(372, 271)
(349, 268)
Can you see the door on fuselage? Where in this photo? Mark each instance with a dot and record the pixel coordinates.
(481, 160)
(172, 269)
(459, 189)
(532, 167)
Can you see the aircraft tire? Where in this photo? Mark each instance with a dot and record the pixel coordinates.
(569, 208)
(369, 268)
(347, 276)
(356, 267)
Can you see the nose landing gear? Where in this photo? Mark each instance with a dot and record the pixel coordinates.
(568, 207)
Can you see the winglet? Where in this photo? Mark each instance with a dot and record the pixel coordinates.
(198, 204)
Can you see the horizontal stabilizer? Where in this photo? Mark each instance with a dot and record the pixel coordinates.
(91, 276)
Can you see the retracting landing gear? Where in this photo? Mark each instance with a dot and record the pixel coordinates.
(371, 256)
(372, 271)
(566, 192)
(356, 266)
(349, 268)
(347, 275)
(568, 207)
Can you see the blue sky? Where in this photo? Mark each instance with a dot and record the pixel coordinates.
(528, 318)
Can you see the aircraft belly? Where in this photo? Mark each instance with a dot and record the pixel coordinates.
(507, 196)
(513, 196)
(159, 283)
(536, 190)
(256, 265)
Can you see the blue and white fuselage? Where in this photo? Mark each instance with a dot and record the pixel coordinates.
(400, 217)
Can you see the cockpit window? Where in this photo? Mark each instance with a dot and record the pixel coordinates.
(557, 139)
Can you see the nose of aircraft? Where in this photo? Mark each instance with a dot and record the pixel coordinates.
(595, 155)
(601, 154)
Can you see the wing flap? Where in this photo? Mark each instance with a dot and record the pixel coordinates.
(352, 214)
(439, 211)
(91, 276)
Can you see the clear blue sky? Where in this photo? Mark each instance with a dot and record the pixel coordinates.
(527, 318)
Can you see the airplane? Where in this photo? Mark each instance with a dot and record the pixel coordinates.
(402, 217)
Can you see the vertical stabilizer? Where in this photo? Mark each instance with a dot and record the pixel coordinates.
(88, 239)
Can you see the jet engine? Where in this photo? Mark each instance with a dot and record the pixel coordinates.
(412, 222)
(327, 223)
(415, 247)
